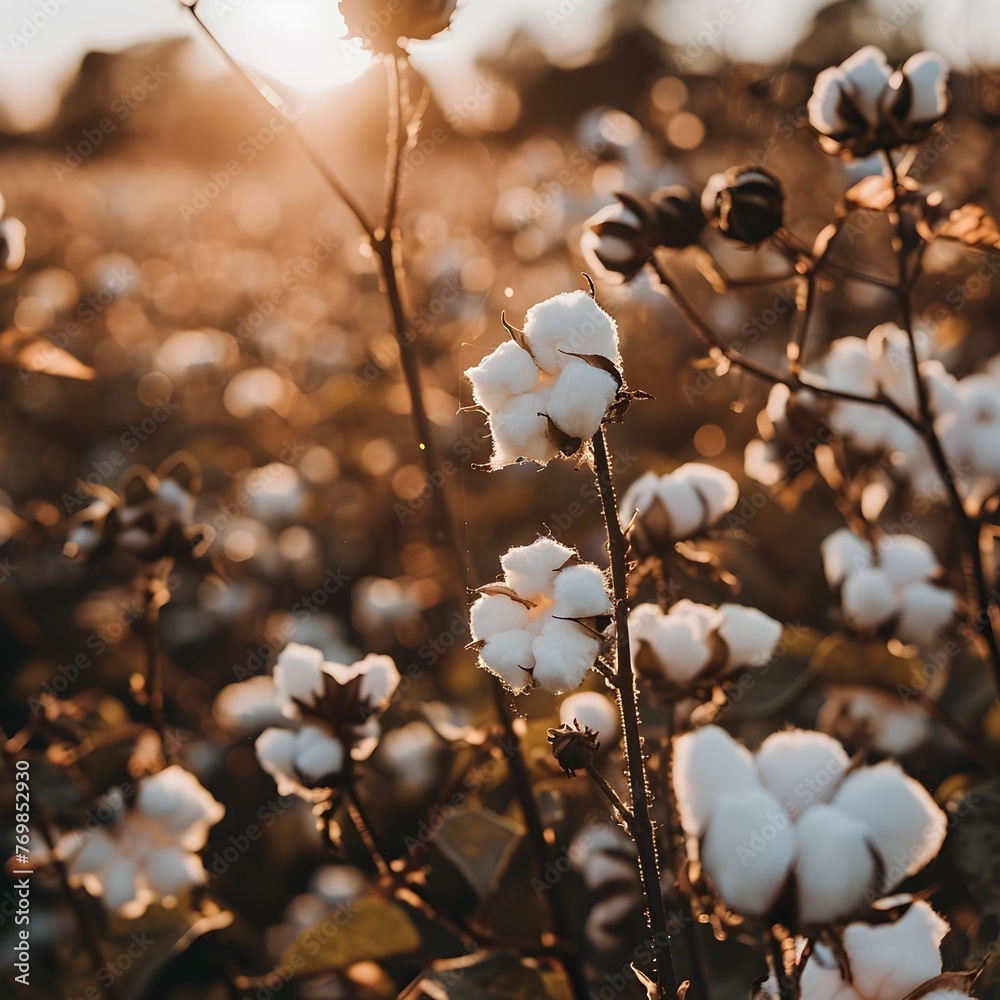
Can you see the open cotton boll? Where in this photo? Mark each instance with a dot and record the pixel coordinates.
(829, 891)
(248, 706)
(509, 656)
(889, 961)
(708, 762)
(906, 558)
(580, 592)
(864, 77)
(118, 882)
(924, 610)
(317, 754)
(907, 826)
(684, 508)
(848, 367)
(717, 489)
(927, 74)
(677, 639)
(570, 322)
(748, 849)
(531, 569)
(298, 674)
(170, 871)
(892, 356)
(592, 709)
(889, 724)
(563, 654)
(508, 371)
(379, 680)
(580, 398)
(520, 431)
(801, 767)
(276, 753)
(750, 635)
(868, 599)
(494, 613)
(844, 553)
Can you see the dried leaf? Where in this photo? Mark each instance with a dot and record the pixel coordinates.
(970, 225)
(479, 843)
(601, 362)
(502, 590)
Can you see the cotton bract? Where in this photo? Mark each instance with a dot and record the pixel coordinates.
(147, 853)
(893, 583)
(536, 624)
(694, 644)
(784, 812)
(539, 397)
(678, 506)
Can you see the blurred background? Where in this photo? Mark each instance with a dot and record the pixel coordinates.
(181, 247)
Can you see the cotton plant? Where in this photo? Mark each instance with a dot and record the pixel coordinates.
(148, 853)
(693, 647)
(538, 624)
(546, 391)
(330, 716)
(766, 825)
(890, 583)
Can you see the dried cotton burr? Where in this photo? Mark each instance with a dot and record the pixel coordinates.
(547, 393)
(537, 626)
(769, 822)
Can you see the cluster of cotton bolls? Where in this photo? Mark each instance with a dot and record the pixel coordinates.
(329, 711)
(885, 962)
(538, 625)
(661, 510)
(693, 645)
(147, 853)
(889, 581)
(784, 812)
(549, 392)
(884, 720)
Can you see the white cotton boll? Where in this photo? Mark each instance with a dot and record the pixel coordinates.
(760, 463)
(581, 592)
(170, 871)
(708, 763)
(317, 754)
(638, 497)
(906, 558)
(889, 961)
(248, 706)
(848, 367)
(193, 808)
(531, 569)
(829, 891)
(942, 386)
(13, 237)
(602, 868)
(118, 883)
(684, 506)
(946, 995)
(493, 613)
(508, 371)
(411, 754)
(868, 599)
(275, 750)
(927, 73)
(604, 918)
(508, 655)
(801, 767)
(717, 489)
(592, 709)
(563, 654)
(520, 431)
(97, 851)
(678, 639)
(924, 610)
(571, 322)
(892, 356)
(379, 680)
(907, 827)
(867, 73)
(821, 978)
(748, 849)
(580, 398)
(749, 635)
(298, 674)
(891, 725)
(844, 553)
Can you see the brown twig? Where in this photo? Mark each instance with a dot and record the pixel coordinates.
(642, 824)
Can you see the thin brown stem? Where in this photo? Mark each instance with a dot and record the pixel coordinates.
(149, 628)
(612, 796)
(643, 831)
(394, 140)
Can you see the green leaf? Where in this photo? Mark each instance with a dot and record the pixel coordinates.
(479, 843)
(368, 929)
(839, 659)
(496, 975)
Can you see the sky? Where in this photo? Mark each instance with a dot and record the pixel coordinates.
(42, 42)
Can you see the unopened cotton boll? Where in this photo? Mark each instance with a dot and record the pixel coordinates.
(801, 768)
(591, 709)
(868, 599)
(907, 827)
(567, 324)
(828, 891)
(750, 635)
(708, 763)
(748, 849)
